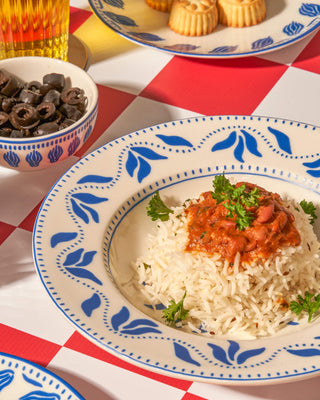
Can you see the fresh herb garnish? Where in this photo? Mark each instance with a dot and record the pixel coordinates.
(235, 199)
(175, 311)
(309, 208)
(157, 209)
(307, 304)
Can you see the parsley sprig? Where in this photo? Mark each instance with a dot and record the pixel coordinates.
(235, 199)
(310, 303)
(175, 311)
(157, 209)
(309, 208)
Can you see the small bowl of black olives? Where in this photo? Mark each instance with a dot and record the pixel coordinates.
(48, 109)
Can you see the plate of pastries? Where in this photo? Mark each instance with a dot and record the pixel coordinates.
(211, 28)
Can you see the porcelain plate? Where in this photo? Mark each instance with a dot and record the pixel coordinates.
(287, 22)
(93, 223)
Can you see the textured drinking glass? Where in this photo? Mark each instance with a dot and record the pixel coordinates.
(34, 28)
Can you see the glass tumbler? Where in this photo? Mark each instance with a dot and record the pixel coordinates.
(34, 28)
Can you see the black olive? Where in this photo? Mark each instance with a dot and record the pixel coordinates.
(46, 110)
(17, 134)
(46, 128)
(53, 96)
(70, 111)
(57, 81)
(66, 123)
(72, 96)
(4, 118)
(8, 103)
(30, 97)
(24, 116)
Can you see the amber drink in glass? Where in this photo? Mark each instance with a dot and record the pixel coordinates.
(34, 28)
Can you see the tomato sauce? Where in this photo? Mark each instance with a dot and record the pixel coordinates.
(210, 230)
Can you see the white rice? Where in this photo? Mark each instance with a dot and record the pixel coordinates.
(242, 302)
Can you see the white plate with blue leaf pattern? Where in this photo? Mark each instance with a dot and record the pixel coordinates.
(93, 223)
(24, 380)
(286, 22)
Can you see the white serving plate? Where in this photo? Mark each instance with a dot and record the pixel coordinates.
(93, 223)
(286, 22)
(23, 379)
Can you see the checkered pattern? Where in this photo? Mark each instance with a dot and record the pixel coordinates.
(139, 87)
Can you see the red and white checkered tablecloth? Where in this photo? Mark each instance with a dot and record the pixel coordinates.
(139, 87)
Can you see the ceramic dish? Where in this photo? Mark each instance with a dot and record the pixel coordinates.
(83, 256)
(287, 21)
(22, 379)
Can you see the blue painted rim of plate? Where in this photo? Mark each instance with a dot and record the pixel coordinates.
(40, 370)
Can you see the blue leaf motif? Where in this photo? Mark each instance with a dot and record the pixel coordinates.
(86, 136)
(6, 377)
(144, 169)
(83, 273)
(115, 3)
(79, 212)
(139, 331)
(305, 352)
(87, 258)
(293, 28)
(120, 19)
(261, 43)
(226, 143)
(146, 36)
(94, 179)
(183, 354)
(120, 318)
(310, 10)
(62, 237)
(73, 258)
(93, 213)
(34, 158)
(89, 198)
(282, 139)
(219, 353)
(238, 151)
(148, 153)
(140, 321)
(11, 158)
(40, 395)
(315, 174)
(313, 164)
(131, 163)
(55, 153)
(243, 357)
(233, 349)
(224, 49)
(73, 146)
(91, 304)
(182, 47)
(174, 140)
(31, 381)
(251, 144)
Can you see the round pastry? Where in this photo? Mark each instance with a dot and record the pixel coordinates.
(160, 5)
(241, 13)
(193, 17)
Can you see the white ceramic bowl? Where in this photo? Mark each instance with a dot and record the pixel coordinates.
(34, 153)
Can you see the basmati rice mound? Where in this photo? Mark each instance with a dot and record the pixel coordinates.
(243, 302)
